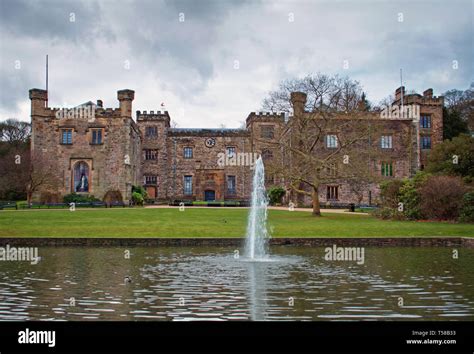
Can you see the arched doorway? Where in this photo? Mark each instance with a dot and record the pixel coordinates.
(209, 195)
(81, 177)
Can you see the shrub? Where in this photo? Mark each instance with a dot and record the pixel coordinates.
(137, 198)
(140, 190)
(467, 209)
(12, 194)
(275, 194)
(409, 195)
(78, 198)
(441, 197)
(390, 193)
(440, 160)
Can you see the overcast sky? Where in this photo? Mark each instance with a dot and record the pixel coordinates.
(213, 62)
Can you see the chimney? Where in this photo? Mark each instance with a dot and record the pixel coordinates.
(428, 93)
(125, 98)
(100, 104)
(399, 92)
(298, 100)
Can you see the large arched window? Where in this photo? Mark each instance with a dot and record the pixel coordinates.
(81, 177)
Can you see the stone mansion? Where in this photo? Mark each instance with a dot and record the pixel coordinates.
(94, 150)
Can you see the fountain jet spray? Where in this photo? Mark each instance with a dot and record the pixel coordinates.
(257, 233)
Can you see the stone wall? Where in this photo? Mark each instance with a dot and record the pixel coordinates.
(208, 174)
(238, 242)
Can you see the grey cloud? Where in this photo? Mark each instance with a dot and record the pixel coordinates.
(185, 59)
(51, 19)
(13, 89)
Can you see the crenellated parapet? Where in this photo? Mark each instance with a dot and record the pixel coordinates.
(152, 115)
(415, 98)
(265, 117)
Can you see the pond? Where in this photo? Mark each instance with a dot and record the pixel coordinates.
(213, 283)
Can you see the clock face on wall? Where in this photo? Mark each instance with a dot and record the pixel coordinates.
(210, 142)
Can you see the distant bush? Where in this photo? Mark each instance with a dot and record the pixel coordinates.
(440, 160)
(409, 195)
(78, 198)
(441, 197)
(390, 193)
(139, 195)
(137, 198)
(467, 209)
(140, 190)
(275, 194)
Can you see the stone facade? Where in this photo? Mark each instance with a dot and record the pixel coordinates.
(406, 155)
(110, 163)
(112, 151)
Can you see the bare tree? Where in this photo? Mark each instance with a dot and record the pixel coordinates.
(14, 146)
(329, 143)
(40, 175)
(13, 168)
(323, 91)
(15, 132)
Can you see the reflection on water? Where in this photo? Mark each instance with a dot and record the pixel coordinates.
(208, 283)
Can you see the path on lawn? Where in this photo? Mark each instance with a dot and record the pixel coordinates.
(336, 211)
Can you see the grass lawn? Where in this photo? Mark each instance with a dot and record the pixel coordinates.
(208, 223)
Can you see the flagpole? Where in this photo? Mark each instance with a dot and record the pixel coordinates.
(47, 80)
(401, 86)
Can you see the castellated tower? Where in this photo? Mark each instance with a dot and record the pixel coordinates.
(428, 125)
(154, 155)
(88, 149)
(265, 129)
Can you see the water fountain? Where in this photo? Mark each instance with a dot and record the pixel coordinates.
(257, 233)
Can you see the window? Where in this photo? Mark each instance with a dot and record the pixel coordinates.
(151, 132)
(426, 142)
(96, 136)
(386, 142)
(331, 141)
(151, 180)
(332, 193)
(331, 170)
(188, 185)
(269, 179)
(231, 184)
(188, 152)
(230, 151)
(151, 154)
(267, 154)
(267, 132)
(425, 121)
(387, 169)
(66, 136)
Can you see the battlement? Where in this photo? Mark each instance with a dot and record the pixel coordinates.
(415, 98)
(152, 115)
(81, 111)
(266, 117)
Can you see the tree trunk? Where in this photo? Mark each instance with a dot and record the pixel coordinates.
(316, 206)
(29, 194)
